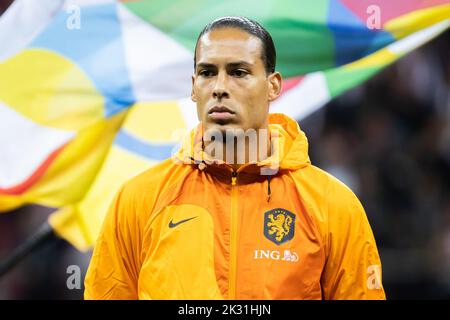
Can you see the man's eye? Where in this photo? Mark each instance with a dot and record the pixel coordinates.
(206, 73)
(239, 73)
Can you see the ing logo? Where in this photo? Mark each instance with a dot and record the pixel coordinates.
(288, 255)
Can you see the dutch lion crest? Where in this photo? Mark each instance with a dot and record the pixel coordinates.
(279, 225)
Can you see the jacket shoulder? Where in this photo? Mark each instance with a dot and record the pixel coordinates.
(332, 203)
(142, 192)
(336, 191)
(158, 177)
(323, 188)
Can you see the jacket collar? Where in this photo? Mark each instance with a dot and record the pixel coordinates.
(289, 146)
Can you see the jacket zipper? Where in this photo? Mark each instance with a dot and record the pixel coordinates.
(233, 238)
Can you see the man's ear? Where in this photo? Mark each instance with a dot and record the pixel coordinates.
(193, 97)
(275, 83)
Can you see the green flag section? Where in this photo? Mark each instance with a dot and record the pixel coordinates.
(300, 30)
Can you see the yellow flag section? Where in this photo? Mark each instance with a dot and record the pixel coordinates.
(52, 139)
(418, 20)
(146, 138)
(45, 87)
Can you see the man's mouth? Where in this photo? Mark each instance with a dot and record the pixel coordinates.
(220, 113)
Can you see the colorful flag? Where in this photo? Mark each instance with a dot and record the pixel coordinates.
(91, 91)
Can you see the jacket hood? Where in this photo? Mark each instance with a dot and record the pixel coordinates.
(289, 146)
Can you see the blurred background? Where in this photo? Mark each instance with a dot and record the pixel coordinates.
(387, 139)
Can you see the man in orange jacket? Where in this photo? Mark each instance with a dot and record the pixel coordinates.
(219, 221)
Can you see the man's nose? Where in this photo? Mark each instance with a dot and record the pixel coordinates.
(220, 88)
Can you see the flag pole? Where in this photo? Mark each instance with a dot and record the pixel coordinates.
(38, 239)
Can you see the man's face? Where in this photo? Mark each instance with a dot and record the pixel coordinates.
(230, 84)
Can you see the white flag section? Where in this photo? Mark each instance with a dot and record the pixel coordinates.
(17, 163)
(23, 21)
(159, 67)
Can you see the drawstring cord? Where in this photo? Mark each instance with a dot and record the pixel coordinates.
(200, 165)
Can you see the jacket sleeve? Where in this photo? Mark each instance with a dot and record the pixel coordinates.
(113, 270)
(353, 266)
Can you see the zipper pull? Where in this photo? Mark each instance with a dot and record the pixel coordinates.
(233, 178)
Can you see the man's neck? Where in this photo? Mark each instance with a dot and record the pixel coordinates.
(242, 149)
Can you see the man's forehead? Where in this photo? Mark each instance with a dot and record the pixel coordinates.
(229, 44)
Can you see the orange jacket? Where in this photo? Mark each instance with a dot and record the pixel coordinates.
(189, 231)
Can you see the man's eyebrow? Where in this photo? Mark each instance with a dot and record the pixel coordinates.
(239, 64)
(205, 65)
(235, 64)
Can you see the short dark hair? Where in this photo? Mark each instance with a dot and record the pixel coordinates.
(250, 26)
